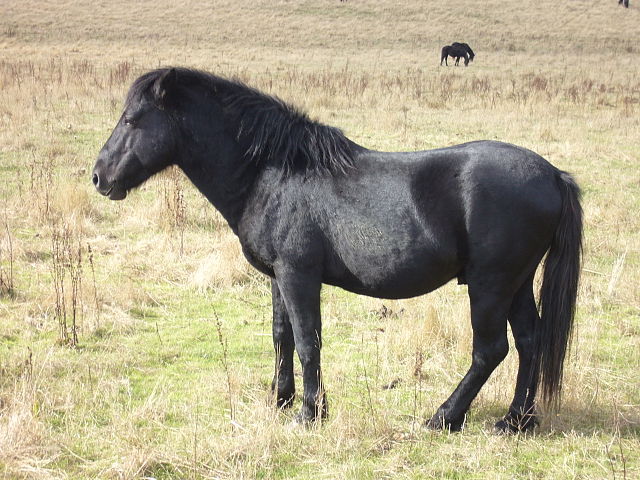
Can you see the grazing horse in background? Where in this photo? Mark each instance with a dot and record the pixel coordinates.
(457, 50)
(466, 47)
(624, 2)
(310, 206)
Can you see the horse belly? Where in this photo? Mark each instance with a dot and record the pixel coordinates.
(378, 281)
(400, 266)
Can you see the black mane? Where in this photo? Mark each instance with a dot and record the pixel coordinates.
(273, 130)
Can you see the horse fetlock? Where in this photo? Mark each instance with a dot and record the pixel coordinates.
(283, 389)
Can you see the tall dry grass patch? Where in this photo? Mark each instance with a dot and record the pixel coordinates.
(26, 449)
(224, 267)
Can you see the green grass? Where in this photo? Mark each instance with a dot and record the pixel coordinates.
(165, 375)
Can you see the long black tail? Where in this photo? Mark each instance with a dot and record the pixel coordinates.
(558, 292)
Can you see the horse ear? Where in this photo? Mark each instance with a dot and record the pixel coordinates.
(164, 87)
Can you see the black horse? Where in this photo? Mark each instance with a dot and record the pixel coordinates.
(457, 50)
(466, 47)
(311, 207)
(624, 2)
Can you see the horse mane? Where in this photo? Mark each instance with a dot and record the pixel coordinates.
(274, 131)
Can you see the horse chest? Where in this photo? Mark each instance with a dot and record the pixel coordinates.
(258, 262)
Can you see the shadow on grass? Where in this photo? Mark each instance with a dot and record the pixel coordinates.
(593, 419)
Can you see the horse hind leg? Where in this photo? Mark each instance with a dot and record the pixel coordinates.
(523, 317)
(489, 308)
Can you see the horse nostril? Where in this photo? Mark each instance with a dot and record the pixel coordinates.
(96, 179)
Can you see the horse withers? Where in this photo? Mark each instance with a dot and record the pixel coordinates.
(457, 50)
(310, 206)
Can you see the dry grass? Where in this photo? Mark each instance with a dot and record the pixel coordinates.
(147, 391)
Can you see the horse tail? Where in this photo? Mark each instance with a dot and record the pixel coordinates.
(557, 303)
(444, 53)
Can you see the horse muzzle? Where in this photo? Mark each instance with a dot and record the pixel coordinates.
(107, 188)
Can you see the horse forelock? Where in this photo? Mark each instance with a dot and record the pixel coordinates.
(141, 86)
(271, 129)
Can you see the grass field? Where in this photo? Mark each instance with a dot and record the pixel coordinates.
(134, 339)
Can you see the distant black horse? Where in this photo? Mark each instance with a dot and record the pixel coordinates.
(311, 207)
(457, 50)
(624, 2)
(466, 47)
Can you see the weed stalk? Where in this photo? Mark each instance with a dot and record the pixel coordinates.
(225, 364)
(7, 286)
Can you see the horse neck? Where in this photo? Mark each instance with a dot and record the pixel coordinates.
(214, 162)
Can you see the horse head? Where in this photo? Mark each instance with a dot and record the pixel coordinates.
(142, 143)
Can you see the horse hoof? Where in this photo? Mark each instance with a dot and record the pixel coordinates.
(312, 415)
(440, 423)
(285, 401)
(305, 420)
(510, 425)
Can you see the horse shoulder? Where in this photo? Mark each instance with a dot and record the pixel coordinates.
(277, 223)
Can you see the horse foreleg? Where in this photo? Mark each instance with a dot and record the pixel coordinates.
(301, 295)
(490, 346)
(523, 316)
(283, 384)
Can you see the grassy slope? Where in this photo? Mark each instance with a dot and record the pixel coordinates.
(150, 391)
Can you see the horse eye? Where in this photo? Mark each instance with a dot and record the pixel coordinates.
(128, 121)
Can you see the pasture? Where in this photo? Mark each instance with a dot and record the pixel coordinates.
(135, 341)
